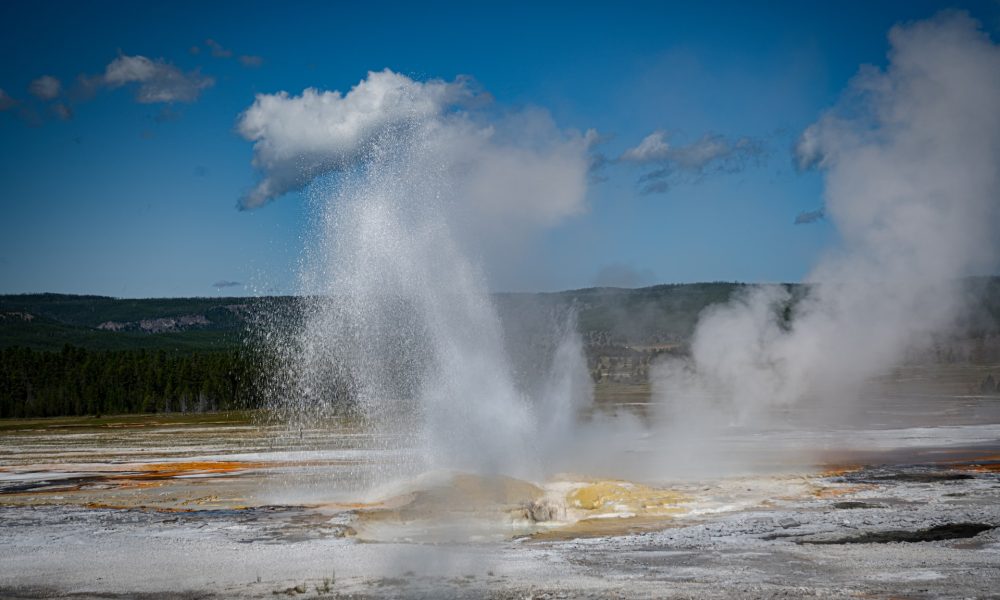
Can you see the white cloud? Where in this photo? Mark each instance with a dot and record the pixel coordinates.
(513, 167)
(672, 164)
(6, 102)
(653, 147)
(297, 138)
(251, 60)
(45, 87)
(218, 51)
(156, 81)
(62, 111)
(712, 148)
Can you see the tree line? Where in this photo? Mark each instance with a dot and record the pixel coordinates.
(77, 381)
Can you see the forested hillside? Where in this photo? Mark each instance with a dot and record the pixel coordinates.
(78, 381)
(73, 355)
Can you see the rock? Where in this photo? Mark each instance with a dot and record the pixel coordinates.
(540, 511)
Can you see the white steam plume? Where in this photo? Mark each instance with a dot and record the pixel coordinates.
(911, 156)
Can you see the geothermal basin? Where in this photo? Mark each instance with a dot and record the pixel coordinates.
(223, 506)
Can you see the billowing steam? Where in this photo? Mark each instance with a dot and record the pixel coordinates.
(911, 157)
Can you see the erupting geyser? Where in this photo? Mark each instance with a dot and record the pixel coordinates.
(399, 323)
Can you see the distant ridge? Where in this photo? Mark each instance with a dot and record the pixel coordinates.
(653, 315)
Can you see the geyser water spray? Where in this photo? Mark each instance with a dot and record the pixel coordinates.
(398, 325)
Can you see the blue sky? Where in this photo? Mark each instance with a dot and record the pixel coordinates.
(137, 199)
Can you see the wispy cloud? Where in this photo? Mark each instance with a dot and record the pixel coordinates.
(45, 87)
(251, 60)
(223, 283)
(597, 160)
(85, 87)
(166, 114)
(155, 81)
(673, 164)
(62, 111)
(810, 216)
(653, 147)
(218, 51)
(6, 102)
(151, 81)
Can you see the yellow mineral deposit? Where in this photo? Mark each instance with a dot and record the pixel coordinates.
(622, 498)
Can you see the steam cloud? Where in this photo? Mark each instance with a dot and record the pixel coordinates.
(910, 156)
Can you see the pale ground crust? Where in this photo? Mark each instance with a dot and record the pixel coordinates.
(203, 512)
